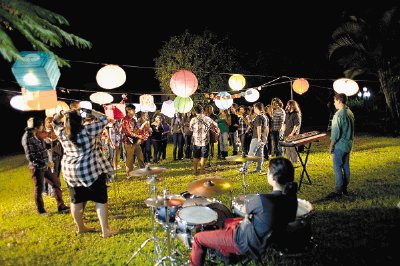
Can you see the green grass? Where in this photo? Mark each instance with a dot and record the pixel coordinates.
(360, 229)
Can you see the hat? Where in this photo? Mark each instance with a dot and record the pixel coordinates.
(32, 123)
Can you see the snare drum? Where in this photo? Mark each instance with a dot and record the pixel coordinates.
(191, 219)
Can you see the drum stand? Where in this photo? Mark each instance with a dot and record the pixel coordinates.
(245, 185)
(151, 181)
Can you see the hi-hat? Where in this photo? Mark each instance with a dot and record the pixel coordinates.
(170, 200)
(242, 159)
(147, 171)
(208, 187)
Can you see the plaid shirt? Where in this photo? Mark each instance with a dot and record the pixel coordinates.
(242, 125)
(130, 129)
(35, 150)
(278, 118)
(200, 125)
(82, 165)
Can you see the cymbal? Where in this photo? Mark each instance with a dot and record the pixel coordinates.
(170, 200)
(242, 159)
(208, 187)
(147, 171)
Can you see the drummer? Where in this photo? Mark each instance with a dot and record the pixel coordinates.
(251, 235)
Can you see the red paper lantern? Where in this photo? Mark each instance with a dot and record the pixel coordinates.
(183, 83)
(300, 86)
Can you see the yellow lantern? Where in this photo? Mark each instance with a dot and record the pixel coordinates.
(111, 77)
(61, 106)
(300, 86)
(346, 86)
(237, 82)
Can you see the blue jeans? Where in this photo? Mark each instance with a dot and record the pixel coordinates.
(256, 149)
(178, 141)
(341, 167)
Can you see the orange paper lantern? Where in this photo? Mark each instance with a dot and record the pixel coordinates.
(40, 100)
(300, 86)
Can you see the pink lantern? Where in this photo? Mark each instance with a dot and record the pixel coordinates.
(183, 83)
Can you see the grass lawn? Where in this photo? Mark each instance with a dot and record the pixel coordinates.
(360, 229)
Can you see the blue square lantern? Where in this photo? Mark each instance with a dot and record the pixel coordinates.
(36, 71)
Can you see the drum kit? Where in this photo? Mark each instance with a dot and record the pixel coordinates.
(191, 212)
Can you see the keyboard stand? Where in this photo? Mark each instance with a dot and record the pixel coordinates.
(307, 148)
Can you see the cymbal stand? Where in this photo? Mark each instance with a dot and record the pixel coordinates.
(151, 181)
(245, 185)
(167, 230)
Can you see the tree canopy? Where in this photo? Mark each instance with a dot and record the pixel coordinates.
(39, 26)
(208, 56)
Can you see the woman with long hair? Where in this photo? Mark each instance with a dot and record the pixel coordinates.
(84, 166)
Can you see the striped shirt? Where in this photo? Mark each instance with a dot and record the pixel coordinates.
(278, 118)
(82, 165)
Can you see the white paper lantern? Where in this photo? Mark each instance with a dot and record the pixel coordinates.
(168, 108)
(147, 103)
(110, 77)
(137, 107)
(86, 105)
(252, 95)
(101, 97)
(346, 86)
(17, 102)
(61, 106)
(225, 100)
(237, 82)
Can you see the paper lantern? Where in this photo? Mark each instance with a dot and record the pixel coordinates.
(168, 108)
(17, 102)
(137, 107)
(237, 82)
(61, 106)
(183, 83)
(110, 77)
(115, 111)
(252, 95)
(86, 105)
(183, 104)
(101, 97)
(300, 86)
(147, 103)
(40, 100)
(224, 101)
(36, 71)
(346, 86)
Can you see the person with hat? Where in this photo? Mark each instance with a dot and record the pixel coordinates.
(39, 165)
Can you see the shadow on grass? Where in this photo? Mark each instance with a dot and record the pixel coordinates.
(356, 237)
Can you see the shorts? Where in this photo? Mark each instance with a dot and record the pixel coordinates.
(97, 192)
(200, 151)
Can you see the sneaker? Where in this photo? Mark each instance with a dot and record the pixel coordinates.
(241, 170)
(263, 173)
(333, 195)
(255, 171)
(63, 210)
(44, 214)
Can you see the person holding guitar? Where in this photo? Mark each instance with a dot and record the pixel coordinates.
(131, 139)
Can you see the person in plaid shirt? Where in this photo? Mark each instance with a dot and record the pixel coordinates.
(84, 166)
(39, 165)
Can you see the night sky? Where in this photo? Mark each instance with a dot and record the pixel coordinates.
(133, 35)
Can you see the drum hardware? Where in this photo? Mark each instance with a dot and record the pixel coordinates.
(243, 159)
(154, 201)
(209, 187)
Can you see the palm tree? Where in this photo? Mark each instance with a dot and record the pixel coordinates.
(38, 25)
(372, 48)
